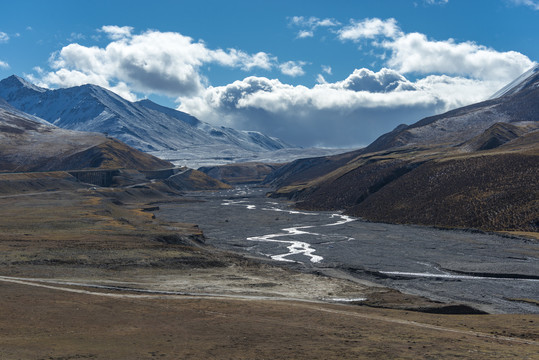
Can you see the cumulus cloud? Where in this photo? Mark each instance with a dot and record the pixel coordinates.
(3, 37)
(305, 34)
(415, 53)
(117, 32)
(534, 4)
(385, 80)
(151, 62)
(369, 29)
(4, 65)
(293, 68)
(327, 69)
(351, 112)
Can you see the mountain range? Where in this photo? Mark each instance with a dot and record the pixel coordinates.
(472, 167)
(143, 125)
(36, 156)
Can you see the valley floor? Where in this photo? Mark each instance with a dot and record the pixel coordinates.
(44, 323)
(86, 273)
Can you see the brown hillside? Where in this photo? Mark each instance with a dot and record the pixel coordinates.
(473, 167)
(491, 192)
(497, 135)
(111, 154)
(304, 170)
(26, 145)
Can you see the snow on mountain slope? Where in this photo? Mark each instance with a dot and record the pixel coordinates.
(519, 83)
(516, 103)
(144, 125)
(4, 105)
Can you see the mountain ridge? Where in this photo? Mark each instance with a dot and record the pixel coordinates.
(144, 125)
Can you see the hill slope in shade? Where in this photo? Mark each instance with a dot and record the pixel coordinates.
(474, 167)
(493, 191)
(144, 125)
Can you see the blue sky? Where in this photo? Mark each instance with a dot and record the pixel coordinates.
(326, 73)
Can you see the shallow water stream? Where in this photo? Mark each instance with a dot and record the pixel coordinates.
(489, 272)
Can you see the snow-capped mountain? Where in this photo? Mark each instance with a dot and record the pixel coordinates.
(144, 125)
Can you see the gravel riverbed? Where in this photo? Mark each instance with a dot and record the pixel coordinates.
(493, 273)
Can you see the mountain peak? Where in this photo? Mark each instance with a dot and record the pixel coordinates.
(144, 125)
(146, 102)
(15, 81)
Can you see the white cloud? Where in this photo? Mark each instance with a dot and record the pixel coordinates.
(313, 22)
(534, 4)
(415, 53)
(320, 79)
(117, 32)
(383, 81)
(293, 68)
(302, 34)
(76, 36)
(238, 58)
(436, 2)
(327, 69)
(369, 29)
(3, 37)
(152, 62)
(309, 25)
(4, 65)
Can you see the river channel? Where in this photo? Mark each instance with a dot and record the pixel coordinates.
(490, 272)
